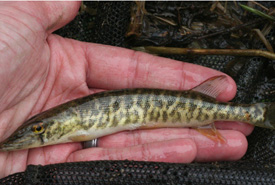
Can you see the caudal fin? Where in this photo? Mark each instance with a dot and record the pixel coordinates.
(269, 116)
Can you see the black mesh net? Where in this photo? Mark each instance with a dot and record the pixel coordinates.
(107, 23)
(133, 172)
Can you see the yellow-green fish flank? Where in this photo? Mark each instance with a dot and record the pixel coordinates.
(109, 112)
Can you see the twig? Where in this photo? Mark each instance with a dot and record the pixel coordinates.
(190, 51)
(260, 5)
(263, 39)
(137, 14)
(166, 20)
(227, 30)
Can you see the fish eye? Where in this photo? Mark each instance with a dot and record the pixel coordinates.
(38, 128)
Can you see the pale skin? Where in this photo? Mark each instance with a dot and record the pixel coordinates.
(39, 70)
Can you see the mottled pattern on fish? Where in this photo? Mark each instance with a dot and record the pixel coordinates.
(124, 107)
(112, 111)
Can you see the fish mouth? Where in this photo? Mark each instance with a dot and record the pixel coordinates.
(12, 147)
(9, 145)
(6, 147)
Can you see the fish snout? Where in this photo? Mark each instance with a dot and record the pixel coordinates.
(14, 142)
(4, 146)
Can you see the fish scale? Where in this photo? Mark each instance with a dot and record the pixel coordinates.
(190, 106)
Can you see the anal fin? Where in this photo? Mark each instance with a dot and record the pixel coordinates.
(212, 133)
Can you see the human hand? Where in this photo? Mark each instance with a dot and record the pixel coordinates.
(39, 70)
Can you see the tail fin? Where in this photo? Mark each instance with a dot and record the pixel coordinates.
(270, 116)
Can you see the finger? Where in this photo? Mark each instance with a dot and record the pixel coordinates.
(179, 150)
(244, 128)
(115, 68)
(52, 154)
(234, 148)
(12, 162)
(208, 150)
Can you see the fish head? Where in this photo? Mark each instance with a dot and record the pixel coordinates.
(29, 135)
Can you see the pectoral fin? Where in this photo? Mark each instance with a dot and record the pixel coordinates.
(212, 133)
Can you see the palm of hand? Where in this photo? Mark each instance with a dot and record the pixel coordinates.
(33, 80)
(43, 70)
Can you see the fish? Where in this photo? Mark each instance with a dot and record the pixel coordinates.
(109, 112)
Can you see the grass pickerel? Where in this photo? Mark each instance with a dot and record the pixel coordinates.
(109, 112)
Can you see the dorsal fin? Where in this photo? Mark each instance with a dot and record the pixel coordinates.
(212, 86)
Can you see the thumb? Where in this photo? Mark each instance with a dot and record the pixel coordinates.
(58, 14)
(50, 15)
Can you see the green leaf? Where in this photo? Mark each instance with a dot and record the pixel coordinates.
(257, 12)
